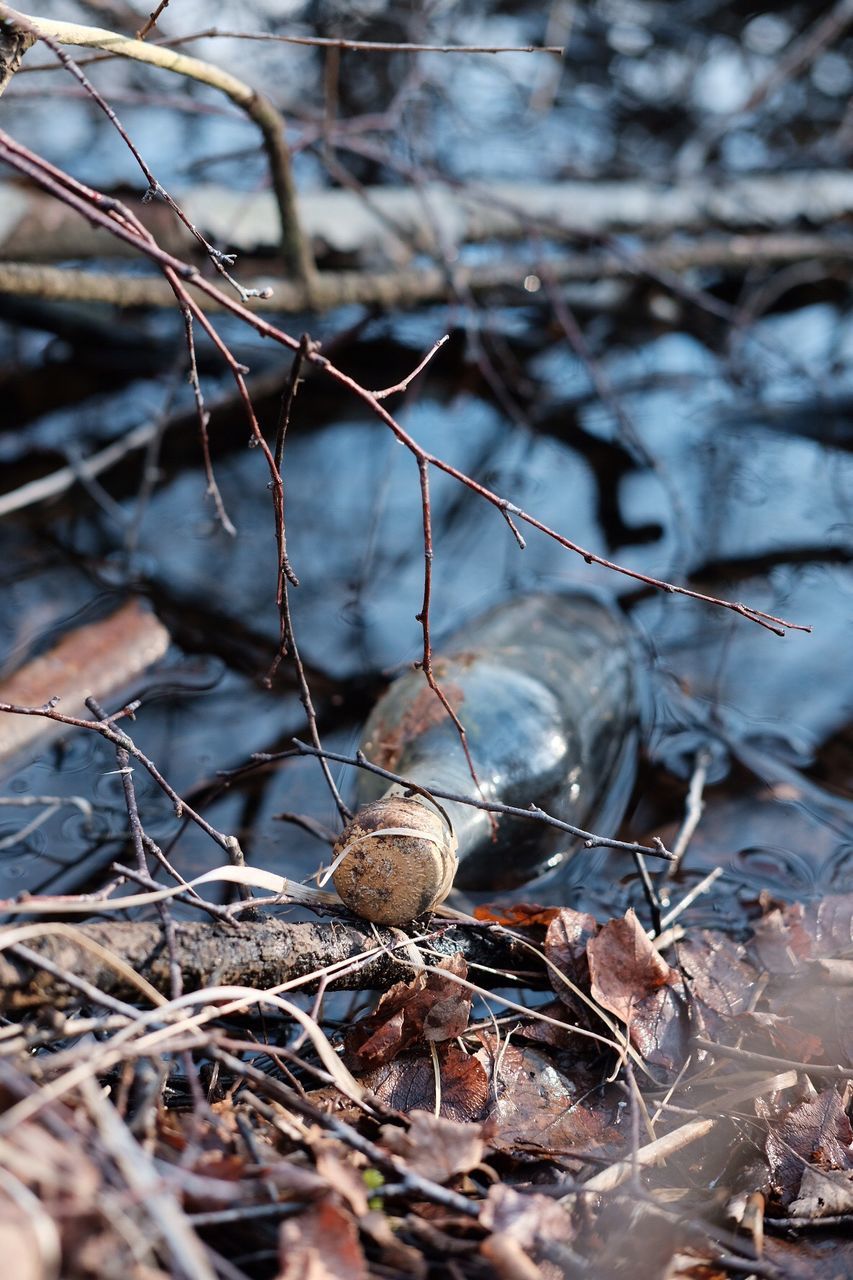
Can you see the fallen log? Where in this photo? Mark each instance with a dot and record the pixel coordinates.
(591, 278)
(397, 222)
(260, 954)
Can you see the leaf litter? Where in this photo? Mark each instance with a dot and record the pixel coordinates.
(492, 1130)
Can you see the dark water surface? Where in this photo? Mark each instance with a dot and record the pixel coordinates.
(768, 518)
(736, 475)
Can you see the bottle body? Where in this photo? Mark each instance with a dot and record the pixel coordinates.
(546, 689)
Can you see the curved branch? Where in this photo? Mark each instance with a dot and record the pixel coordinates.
(14, 43)
(294, 247)
(93, 206)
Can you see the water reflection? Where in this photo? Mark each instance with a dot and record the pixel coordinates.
(754, 495)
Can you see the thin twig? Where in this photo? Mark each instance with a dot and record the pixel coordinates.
(155, 188)
(203, 421)
(23, 160)
(345, 1133)
(119, 738)
(295, 249)
(652, 1153)
(361, 46)
(402, 386)
(693, 808)
(151, 20)
(534, 813)
(769, 1060)
(689, 898)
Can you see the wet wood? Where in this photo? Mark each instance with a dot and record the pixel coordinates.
(94, 660)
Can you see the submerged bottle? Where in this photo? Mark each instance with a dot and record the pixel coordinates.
(546, 689)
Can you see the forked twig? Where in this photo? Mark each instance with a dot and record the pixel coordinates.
(113, 216)
(295, 249)
(404, 384)
(533, 814)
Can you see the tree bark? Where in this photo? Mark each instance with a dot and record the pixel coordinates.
(255, 954)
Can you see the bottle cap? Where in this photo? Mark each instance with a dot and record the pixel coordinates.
(395, 861)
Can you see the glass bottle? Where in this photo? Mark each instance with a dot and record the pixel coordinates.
(546, 687)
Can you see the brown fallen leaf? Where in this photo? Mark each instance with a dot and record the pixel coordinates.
(823, 1192)
(560, 1037)
(630, 978)
(566, 941)
(434, 1146)
(814, 1132)
(717, 971)
(806, 1013)
(780, 940)
(408, 1084)
(528, 1217)
(819, 1257)
(775, 1033)
(785, 936)
(340, 1175)
(508, 1258)
(430, 1007)
(516, 914)
(539, 1108)
(321, 1244)
(625, 967)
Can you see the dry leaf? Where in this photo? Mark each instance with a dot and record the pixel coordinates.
(516, 914)
(777, 1035)
(717, 972)
(823, 1192)
(321, 1244)
(631, 979)
(508, 1258)
(780, 940)
(408, 1084)
(820, 1256)
(430, 1007)
(565, 946)
(529, 1219)
(784, 937)
(341, 1175)
(435, 1147)
(625, 968)
(814, 1132)
(561, 1037)
(540, 1109)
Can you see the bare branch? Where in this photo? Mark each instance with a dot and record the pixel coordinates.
(535, 814)
(401, 386)
(70, 191)
(294, 247)
(262, 954)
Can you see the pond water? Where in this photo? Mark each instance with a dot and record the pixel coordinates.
(729, 468)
